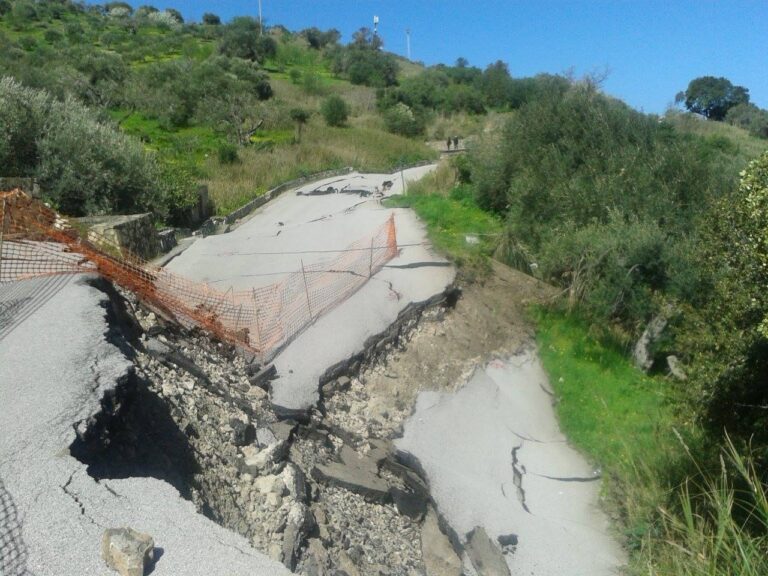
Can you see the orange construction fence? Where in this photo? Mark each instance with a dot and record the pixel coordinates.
(36, 241)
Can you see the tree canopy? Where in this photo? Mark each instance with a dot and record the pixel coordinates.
(712, 97)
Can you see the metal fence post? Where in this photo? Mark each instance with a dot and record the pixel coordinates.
(370, 264)
(2, 230)
(306, 291)
(258, 324)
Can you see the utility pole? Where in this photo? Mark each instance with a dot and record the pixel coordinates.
(261, 21)
(408, 42)
(375, 25)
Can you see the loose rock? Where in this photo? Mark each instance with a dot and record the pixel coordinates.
(127, 551)
(485, 555)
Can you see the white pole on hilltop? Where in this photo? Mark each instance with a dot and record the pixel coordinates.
(261, 21)
(408, 42)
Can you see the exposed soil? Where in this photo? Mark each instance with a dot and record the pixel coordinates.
(489, 320)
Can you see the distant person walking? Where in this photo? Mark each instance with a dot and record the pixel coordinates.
(448, 143)
(455, 142)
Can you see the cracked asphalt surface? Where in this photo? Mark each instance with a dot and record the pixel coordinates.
(54, 369)
(298, 227)
(495, 457)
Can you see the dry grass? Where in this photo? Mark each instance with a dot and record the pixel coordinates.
(361, 99)
(322, 148)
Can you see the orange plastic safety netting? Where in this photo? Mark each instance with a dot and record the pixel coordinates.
(36, 241)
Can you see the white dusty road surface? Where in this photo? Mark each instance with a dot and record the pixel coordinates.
(298, 227)
(495, 458)
(55, 367)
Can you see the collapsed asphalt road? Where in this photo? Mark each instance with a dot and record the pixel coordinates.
(495, 458)
(57, 370)
(299, 229)
(484, 481)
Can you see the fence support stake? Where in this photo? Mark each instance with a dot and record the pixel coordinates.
(2, 229)
(306, 291)
(258, 324)
(370, 263)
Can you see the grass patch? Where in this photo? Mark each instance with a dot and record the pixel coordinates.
(455, 224)
(608, 408)
(621, 419)
(195, 143)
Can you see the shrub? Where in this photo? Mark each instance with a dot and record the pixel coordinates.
(335, 110)
(400, 119)
(83, 165)
(228, 154)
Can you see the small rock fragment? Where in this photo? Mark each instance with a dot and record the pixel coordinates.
(485, 555)
(439, 557)
(127, 551)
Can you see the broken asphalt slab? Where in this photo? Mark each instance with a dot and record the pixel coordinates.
(495, 458)
(55, 369)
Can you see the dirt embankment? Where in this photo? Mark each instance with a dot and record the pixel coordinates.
(489, 320)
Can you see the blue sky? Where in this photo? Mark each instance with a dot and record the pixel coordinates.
(650, 48)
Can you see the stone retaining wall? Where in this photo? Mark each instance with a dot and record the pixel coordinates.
(134, 233)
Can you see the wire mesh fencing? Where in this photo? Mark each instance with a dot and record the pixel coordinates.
(35, 241)
(13, 551)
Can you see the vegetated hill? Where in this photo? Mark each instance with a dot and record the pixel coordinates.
(211, 102)
(219, 102)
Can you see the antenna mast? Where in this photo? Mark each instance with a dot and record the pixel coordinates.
(408, 41)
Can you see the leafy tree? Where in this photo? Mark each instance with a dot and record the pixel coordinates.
(175, 14)
(301, 117)
(242, 38)
(83, 166)
(712, 97)
(5, 7)
(318, 39)
(749, 117)
(335, 110)
(211, 19)
(496, 85)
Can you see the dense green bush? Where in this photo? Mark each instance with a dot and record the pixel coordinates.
(83, 166)
(401, 119)
(335, 110)
(602, 198)
(228, 153)
(726, 338)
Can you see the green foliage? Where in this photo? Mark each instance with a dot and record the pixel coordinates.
(750, 118)
(242, 38)
(335, 110)
(319, 39)
(727, 337)
(364, 63)
(719, 524)
(605, 201)
(211, 19)
(228, 153)
(712, 97)
(455, 224)
(606, 407)
(401, 119)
